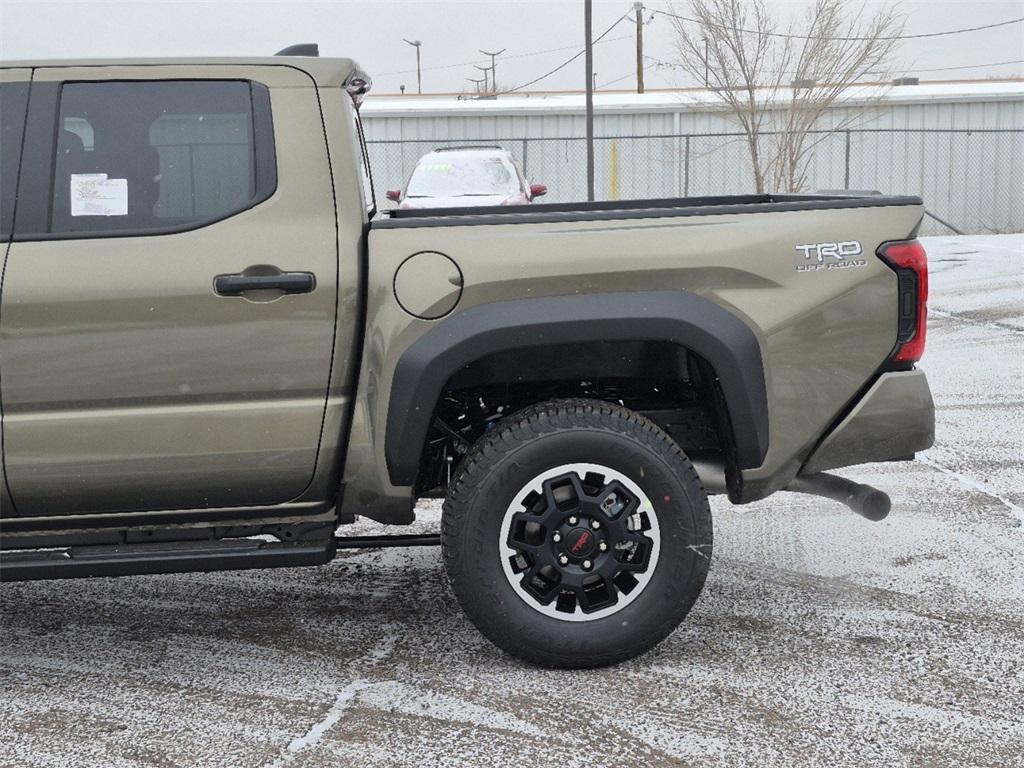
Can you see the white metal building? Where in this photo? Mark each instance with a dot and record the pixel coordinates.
(958, 145)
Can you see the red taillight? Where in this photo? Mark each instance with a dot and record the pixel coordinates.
(910, 263)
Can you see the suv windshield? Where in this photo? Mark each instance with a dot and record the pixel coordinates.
(463, 176)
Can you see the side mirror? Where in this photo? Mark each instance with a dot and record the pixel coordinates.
(538, 190)
(393, 194)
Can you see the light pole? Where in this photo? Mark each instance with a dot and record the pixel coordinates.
(639, 8)
(419, 80)
(588, 24)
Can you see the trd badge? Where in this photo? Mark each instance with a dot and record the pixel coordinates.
(824, 256)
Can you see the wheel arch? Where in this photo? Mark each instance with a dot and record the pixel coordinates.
(720, 337)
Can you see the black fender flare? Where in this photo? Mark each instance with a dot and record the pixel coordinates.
(688, 319)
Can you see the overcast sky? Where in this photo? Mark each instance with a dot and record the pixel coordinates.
(452, 32)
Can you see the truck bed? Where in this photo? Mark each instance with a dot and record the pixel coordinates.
(822, 324)
(630, 209)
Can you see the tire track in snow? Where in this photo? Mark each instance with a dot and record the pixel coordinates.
(342, 700)
(975, 485)
(960, 317)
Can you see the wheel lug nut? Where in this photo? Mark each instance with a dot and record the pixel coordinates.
(563, 559)
(595, 524)
(603, 547)
(586, 565)
(573, 520)
(556, 536)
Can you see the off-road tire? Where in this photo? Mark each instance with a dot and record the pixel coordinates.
(522, 447)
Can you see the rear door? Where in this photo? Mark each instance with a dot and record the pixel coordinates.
(14, 84)
(168, 303)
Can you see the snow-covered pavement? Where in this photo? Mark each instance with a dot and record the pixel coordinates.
(820, 639)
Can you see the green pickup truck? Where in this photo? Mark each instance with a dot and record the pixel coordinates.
(214, 352)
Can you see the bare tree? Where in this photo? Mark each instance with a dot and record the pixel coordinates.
(779, 83)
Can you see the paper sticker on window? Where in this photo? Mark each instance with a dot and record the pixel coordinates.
(93, 194)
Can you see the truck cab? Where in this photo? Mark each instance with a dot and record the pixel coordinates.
(183, 343)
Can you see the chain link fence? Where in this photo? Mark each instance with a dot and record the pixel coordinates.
(970, 180)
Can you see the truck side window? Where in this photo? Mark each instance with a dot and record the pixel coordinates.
(145, 157)
(13, 97)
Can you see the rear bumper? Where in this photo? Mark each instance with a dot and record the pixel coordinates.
(892, 421)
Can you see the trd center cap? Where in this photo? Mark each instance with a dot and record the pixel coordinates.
(580, 542)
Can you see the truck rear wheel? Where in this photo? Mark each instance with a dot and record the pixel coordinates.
(576, 534)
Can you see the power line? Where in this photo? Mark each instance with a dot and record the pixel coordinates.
(914, 70)
(845, 39)
(631, 73)
(660, 63)
(617, 79)
(568, 61)
(564, 48)
(526, 55)
(972, 66)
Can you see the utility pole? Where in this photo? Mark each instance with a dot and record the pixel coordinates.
(480, 90)
(494, 65)
(485, 70)
(639, 7)
(419, 79)
(588, 24)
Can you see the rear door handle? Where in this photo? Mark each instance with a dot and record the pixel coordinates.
(286, 282)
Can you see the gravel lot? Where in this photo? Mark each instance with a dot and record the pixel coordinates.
(820, 638)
